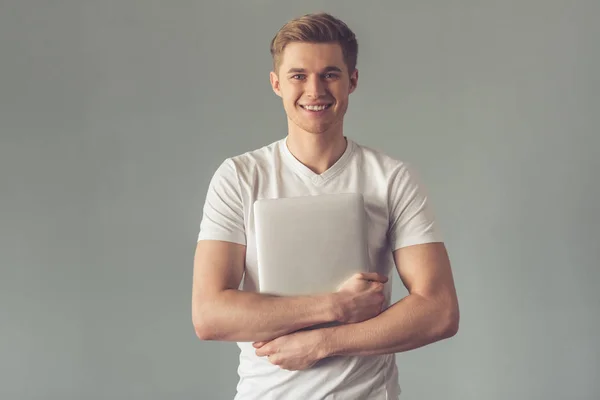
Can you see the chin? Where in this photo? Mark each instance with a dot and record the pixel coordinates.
(320, 132)
(316, 130)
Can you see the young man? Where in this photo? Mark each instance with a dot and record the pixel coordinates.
(314, 72)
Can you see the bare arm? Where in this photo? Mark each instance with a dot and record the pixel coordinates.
(429, 313)
(221, 312)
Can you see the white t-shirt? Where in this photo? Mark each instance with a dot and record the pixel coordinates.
(398, 215)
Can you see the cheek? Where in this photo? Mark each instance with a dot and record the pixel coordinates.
(339, 92)
(290, 97)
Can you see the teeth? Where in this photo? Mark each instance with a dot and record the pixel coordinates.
(315, 108)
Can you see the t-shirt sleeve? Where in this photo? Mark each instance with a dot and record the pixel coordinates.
(223, 212)
(412, 220)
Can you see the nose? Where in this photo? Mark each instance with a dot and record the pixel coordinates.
(315, 87)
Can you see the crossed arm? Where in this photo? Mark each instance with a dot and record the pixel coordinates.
(221, 312)
(429, 312)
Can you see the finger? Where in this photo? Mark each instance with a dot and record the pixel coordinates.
(258, 345)
(275, 360)
(262, 352)
(374, 276)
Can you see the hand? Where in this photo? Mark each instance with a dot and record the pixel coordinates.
(294, 352)
(361, 297)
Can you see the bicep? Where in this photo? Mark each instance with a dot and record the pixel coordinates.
(218, 266)
(425, 270)
(411, 219)
(220, 252)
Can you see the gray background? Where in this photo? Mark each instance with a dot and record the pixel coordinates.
(114, 115)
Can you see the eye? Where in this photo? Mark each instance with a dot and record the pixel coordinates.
(297, 77)
(330, 76)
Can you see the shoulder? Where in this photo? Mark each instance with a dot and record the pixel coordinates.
(241, 171)
(379, 161)
(250, 160)
(256, 158)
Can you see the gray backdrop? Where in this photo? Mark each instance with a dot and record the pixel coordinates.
(114, 115)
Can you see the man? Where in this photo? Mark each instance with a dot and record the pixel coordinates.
(314, 72)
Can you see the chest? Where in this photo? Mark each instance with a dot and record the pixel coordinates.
(282, 184)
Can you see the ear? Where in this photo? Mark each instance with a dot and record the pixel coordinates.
(275, 83)
(353, 80)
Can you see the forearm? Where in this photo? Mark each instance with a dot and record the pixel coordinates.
(410, 323)
(234, 315)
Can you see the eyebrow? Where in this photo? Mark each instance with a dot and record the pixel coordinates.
(326, 69)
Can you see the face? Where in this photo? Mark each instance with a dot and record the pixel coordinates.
(314, 83)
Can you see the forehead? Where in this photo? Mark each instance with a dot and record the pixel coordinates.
(312, 56)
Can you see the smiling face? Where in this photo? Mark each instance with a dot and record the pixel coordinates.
(314, 84)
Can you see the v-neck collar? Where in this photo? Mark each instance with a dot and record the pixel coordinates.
(317, 179)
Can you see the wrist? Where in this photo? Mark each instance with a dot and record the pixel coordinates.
(336, 305)
(326, 343)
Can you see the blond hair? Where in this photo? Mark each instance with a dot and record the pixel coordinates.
(316, 28)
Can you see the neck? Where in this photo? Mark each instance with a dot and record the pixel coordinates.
(318, 152)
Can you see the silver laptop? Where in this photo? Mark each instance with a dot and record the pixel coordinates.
(311, 244)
